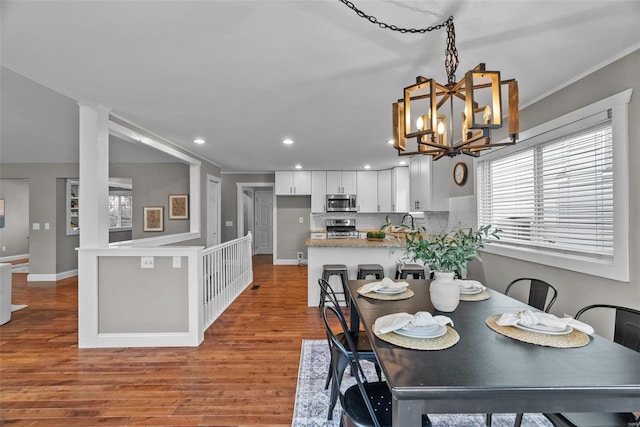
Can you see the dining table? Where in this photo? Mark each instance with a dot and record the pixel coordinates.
(487, 372)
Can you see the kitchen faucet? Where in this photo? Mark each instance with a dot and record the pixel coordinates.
(410, 216)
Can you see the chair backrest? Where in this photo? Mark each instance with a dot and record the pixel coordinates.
(627, 324)
(329, 315)
(538, 292)
(475, 271)
(326, 289)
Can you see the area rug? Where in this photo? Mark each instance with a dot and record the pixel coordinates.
(312, 400)
(20, 268)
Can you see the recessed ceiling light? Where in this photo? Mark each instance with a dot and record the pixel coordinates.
(402, 162)
(199, 141)
(287, 141)
(390, 141)
(367, 166)
(298, 166)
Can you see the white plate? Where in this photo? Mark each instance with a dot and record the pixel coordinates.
(473, 291)
(391, 291)
(411, 332)
(543, 329)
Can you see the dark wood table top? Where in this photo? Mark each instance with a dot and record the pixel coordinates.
(489, 372)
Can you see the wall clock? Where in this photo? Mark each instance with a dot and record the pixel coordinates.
(460, 173)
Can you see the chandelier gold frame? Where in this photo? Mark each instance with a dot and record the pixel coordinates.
(434, 132)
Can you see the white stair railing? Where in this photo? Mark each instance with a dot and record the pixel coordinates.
(227, 271)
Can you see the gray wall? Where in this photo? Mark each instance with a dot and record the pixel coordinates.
(229, 203)
(132, 299)
(575, 289)
(152, 185)
(291, 233)
(14, 237)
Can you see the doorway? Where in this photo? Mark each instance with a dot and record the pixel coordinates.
(256, 210)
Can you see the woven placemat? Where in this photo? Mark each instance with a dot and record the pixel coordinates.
(447, 340)
(481, 296)
(571, 340)
(388, 297)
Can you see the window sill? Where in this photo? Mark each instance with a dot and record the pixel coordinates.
(595, 267)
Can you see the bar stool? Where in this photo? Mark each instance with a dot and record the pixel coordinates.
(365, 270)
(340, 270)
(415, 270)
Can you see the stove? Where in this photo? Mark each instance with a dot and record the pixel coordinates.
(342, 229)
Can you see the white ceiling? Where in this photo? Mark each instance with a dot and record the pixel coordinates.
(246, 74)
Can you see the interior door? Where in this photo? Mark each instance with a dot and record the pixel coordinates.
(263, 236)
(213, 215)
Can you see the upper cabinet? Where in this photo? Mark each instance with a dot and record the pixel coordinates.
(293, 183)
(367, 191)
(341, 182)
(429, 185)
(393, 190)
(318, 191)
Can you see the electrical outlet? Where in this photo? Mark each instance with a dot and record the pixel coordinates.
(177, 262)
(146, 262)
(301, 220)
(300, 256)
(4, 248)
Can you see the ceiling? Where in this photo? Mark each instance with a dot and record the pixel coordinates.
(244, 75)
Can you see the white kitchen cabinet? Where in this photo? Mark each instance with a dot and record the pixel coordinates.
(429, 185)
(393, 190)
(318, 191)
(341, 182)
(293, 183)
(367, 191)
(400, 189)
(385, 204)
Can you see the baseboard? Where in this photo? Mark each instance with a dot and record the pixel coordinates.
(14, 257)
(289, 262)
(51, 277)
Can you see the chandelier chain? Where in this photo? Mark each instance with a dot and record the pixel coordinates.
(392, 27)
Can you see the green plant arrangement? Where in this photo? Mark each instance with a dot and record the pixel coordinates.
(447, 251)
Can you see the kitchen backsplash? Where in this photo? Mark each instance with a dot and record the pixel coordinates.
(433, 221)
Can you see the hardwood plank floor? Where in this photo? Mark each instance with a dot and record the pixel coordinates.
(243, 374)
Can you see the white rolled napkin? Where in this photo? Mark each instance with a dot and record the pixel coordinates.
(385, 283)
(471, 285)
(530, 318)
(395, 321)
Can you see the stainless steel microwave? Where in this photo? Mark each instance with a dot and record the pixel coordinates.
(341, 203)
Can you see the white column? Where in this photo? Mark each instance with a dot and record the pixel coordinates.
(94, 175)
(94, 214)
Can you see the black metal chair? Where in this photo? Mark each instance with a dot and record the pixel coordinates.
(364, 404)
(626, 332)
(359, 339)
(538, 292)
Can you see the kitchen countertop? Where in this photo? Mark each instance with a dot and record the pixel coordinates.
(352, 243)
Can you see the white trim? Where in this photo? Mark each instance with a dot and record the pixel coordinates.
(287, 261)
(166, 339)
(149, 242)
(618, 269)
(51, 277)
(216, 179)
(14, 257)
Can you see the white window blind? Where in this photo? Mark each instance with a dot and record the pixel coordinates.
(557, 194)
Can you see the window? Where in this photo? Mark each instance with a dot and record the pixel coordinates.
(554, 194)
(120, 210)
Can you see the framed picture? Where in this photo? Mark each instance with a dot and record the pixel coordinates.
(153, 218)
(178, 206)
(1, 213)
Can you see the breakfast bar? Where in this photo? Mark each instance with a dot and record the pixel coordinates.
(351, 252)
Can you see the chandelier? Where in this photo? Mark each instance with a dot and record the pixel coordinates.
(426, 111)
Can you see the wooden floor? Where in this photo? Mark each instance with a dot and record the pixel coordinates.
(243, 374)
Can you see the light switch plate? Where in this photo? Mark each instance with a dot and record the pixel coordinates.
(177, 262)
(47, 226)
(146, 262)
(36, 226)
